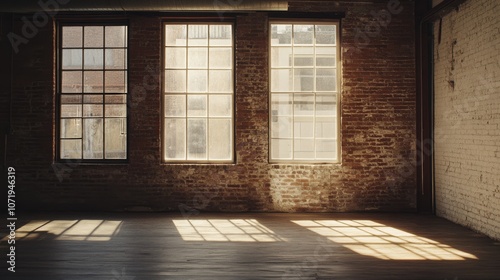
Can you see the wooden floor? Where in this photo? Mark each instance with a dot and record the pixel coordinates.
(149, 246)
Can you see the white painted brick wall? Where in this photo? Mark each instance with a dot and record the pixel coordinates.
(467, 116)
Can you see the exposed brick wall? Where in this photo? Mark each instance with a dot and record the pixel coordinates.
(467, 117)
(378, 129)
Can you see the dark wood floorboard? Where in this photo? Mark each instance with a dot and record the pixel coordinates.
(150, 246)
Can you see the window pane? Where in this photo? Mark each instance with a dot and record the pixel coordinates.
(92, 81)
(175, 35)
(303, 51)
(71, 99)
(281, 148)
(116, 36)
(71, 149)
(175, 106)
(326, 105)
(326, 149)
(221, 58)
(307, 61)
(116, 138)
(94, 59)
(304, 80)
(281, 57)
(303, 127)
(72, 59)
(325, 34)
(197, 81)
(221, 81)
(175, 81)
(197, 58)
(92, 139)
(303, 34)
(221, 35)
(92, 98)
(115, 59)
(71, 111)
(116, 110)
(175, 138)
(71, 81)
(304, 149)
(281, 34)
(72, 36)
(326, 80)
(197, 105)
(220, 105)
(93, 36)
(92, 110)
(281, 127)
(116, 98)
(281, 80)
(115, 81)
(220, 139)
(326, 128)
(197, 35)
(71, 128)
(175, 57)
(281, 104)
(326, 61)
(304, 104)
(197, 139)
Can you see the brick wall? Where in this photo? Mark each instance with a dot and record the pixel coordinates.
(378, 128)
(467, 116)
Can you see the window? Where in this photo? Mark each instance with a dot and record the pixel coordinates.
(304, 92)
(92, 92)
(198, 93)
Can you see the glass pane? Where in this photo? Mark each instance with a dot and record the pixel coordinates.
(304, 80)
(326, 128)
(116, 138)
(71, 128)
(221, 58)
(325, 34)
(115, 81)
(175, 57)
(71, 81)
(304, 149)
(116, 98)
(71, 99)
(221, 35)
(220, 105)
(92, 110)
(68, 111)
(175, 81)
(281, 34)
(92, 81)
(92, 98)
(175, 35)
(92, 139)
(281, 149)
(326, 80)
(197, 58)
(93, 36)
(72, 59)
(221, 81)
(220, 140)
(304, 105)
(303, 34)
(326, 105)
(326, 149)
(281, 57)
(71, 149)
(175, 139)
(326, 61)
(72, 36)
(281, 127)
(197, 81)
(197, 105)
(197, 139)
(94, 59)
(116, 59)
(325, 50)
(118, 110)
(303, 51)
(197, 35)
(303, 61)
(303, 127)
(116, 36)
(281, 104)
(175, 106)
(281, 80)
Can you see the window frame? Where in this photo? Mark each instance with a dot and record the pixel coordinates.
(64, 21)
(338, 63)
(198, 21)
